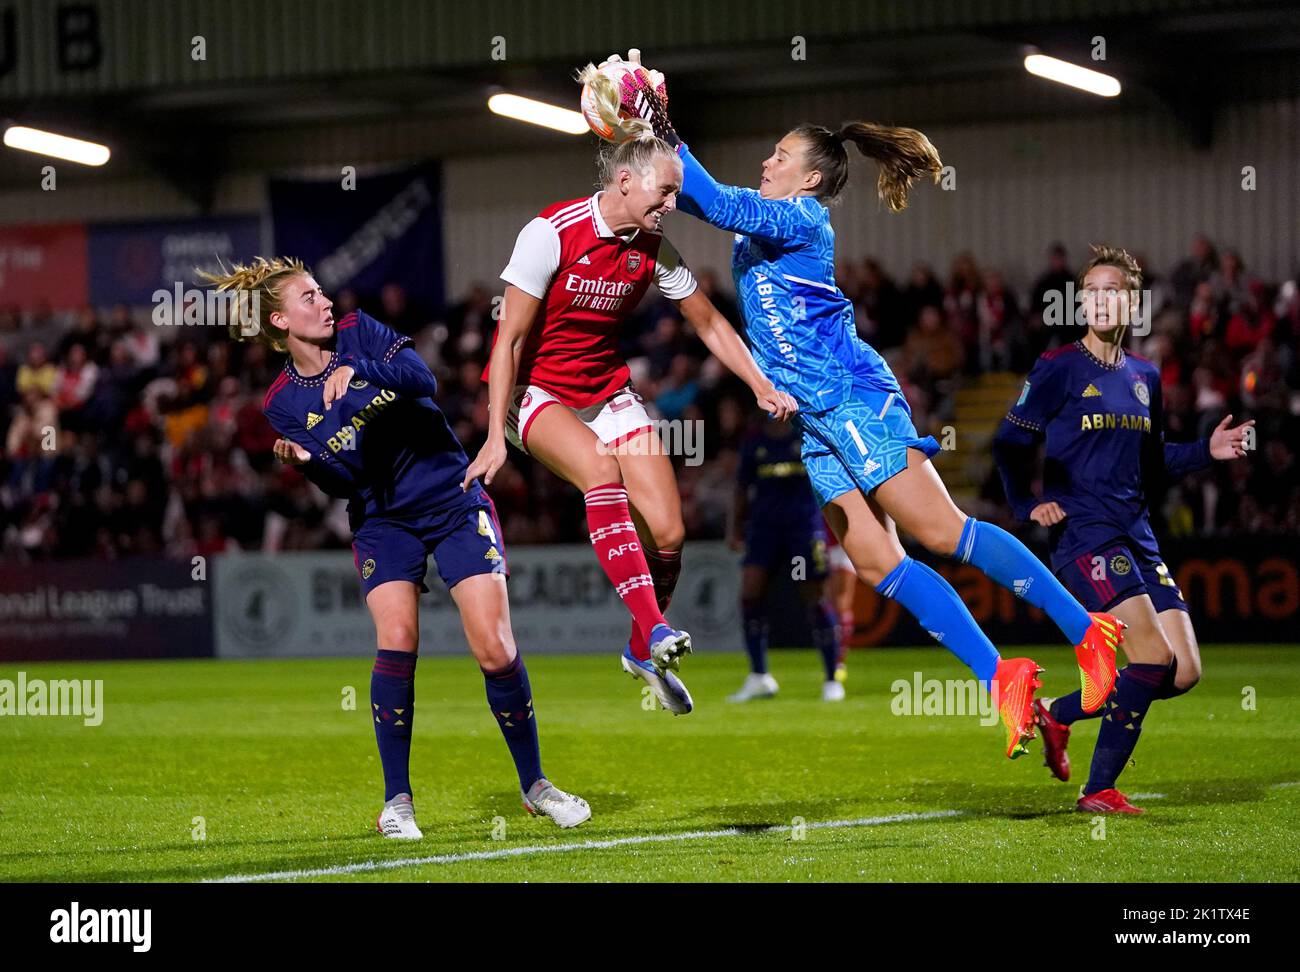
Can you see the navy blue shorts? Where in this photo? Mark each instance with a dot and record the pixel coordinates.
(1118, 569)
(464, 541)
(773, 546)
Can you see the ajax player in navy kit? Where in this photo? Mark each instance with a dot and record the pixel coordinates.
(1100, 412)
(354, 410)
(777, 520)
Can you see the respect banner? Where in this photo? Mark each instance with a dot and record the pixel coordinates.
(365, 231)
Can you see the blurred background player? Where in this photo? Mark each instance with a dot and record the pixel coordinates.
(353, 406)
(777, 516)
(841, 589)
(867, 464)
(577, 272)
(1100, 412)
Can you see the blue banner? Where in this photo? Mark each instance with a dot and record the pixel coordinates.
(129, 261)
(365, 232)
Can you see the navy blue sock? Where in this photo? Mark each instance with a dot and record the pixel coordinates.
(825, 635)
(510, 698)
(934, 603)
(756, 634)
(1069, 708)
(1169, 688)
(1008, 562)
(392, 703)
(1121, 723)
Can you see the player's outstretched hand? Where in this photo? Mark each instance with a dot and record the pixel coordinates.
(1047, 514)
(485, 465)
(290, 453)
(1226, 443)
(777, 404)
(336, 385)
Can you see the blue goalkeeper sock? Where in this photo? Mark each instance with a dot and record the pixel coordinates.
(934, 603)
(1008, 562)
(1121, 724)
(825, 636)
(392, 704)
(756, 634)
(510, 698)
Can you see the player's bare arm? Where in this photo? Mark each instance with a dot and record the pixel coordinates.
(518, 312)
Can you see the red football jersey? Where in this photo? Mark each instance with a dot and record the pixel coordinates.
(589, 280)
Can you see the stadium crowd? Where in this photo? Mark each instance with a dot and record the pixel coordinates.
(120, 438)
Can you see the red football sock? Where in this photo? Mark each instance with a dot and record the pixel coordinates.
(847, 629)
(613, 534)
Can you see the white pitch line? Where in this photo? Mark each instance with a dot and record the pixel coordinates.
(565, 848)
(1283, 786)
(1146, 796)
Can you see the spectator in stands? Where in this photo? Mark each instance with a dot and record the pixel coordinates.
(923, 290)
(37, 372)
(1196, 269)
(1052, 284)
(74, 384)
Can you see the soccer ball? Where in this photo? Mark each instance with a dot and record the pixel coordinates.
(597, 110)
(608, 107)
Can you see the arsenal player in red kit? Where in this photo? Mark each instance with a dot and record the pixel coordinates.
(578, 271)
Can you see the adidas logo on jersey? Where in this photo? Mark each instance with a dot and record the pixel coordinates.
(312, 420)
(585, 259)
(1091, 392)
(1021, 586)
(871, 466)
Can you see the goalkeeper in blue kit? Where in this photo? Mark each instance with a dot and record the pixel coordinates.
(869, 467)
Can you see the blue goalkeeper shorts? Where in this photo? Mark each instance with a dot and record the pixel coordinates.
(859, 443)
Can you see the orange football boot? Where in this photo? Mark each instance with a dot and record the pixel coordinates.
(1096, 655)
(1013, 685)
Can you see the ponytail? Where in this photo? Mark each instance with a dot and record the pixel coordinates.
(902, 154)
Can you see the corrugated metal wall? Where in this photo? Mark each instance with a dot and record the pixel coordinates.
(146, 43)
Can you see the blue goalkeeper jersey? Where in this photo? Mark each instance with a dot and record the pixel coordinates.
(1105, 450)
(800, 326)
(384, 446)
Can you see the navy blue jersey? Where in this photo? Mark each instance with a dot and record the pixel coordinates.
(773, 473)
(385, 446)
(1105, 448)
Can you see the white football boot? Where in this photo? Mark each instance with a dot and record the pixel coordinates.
(756, 687)
(668, 688)
(544, 799)
(397, 819)
(668, 646)
(832, 691)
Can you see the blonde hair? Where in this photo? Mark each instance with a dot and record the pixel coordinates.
(605, 93)
(265, 280)
(1105, 255)
(636, 155)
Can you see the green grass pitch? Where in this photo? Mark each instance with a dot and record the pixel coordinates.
(286, 779)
